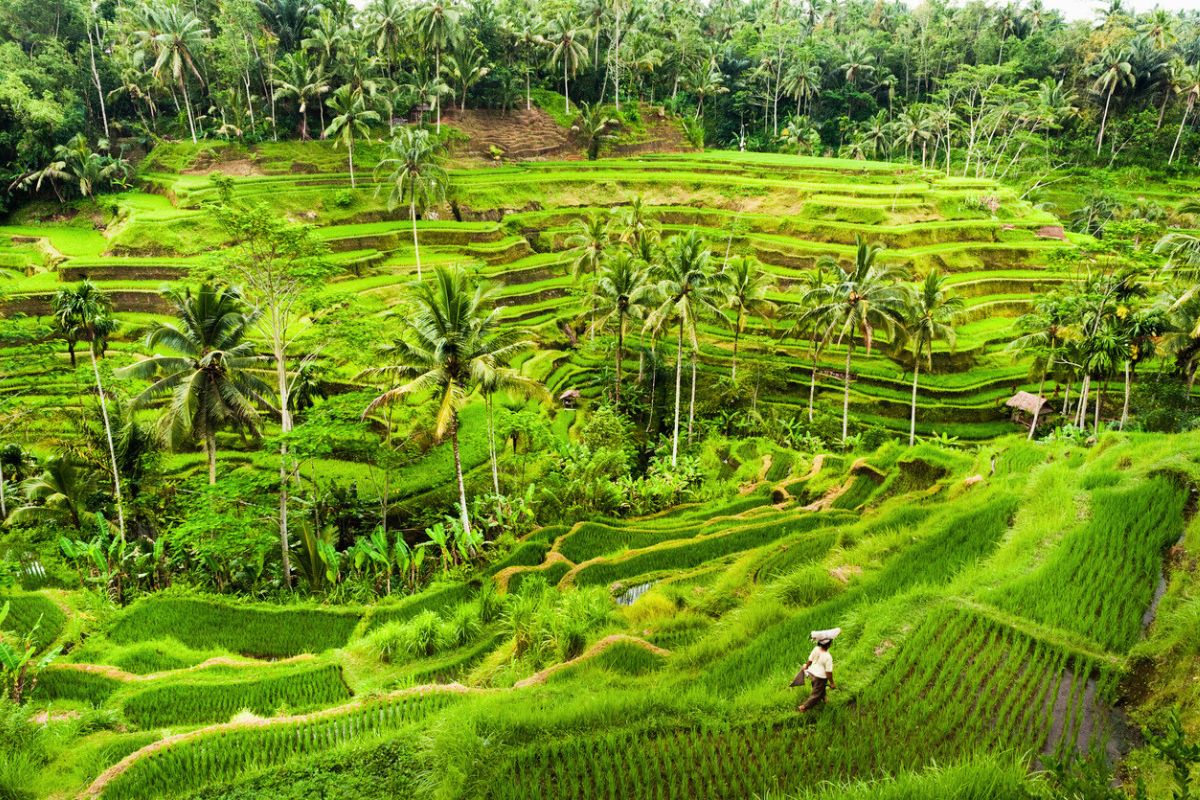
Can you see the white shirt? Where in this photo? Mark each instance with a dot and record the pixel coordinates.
(822, 663)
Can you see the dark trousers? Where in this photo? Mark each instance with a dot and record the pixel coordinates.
(818, 694)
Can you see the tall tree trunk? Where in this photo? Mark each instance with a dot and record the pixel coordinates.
(1066, 399)
(1038, 408)
(187, 103)
(350, 157)
(846, 393)
(1183, 121)
(491, 434)
(678, 392)
(566, 90)
(1125, 406)
(437, 97)
(912, 422)
(412, 213)
(737, 332)
(210, 448)
(620, 358)
(1104, 119)
(462, 487)
(285, 425)
(3, 504)
(812, 387)
(1099, 400)
(96, 82)
(1084, 394)
(112, 451)
(692, 400)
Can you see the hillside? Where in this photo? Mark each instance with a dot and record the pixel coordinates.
(988, 618)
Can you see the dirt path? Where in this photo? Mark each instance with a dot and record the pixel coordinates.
(118, 674)
(97, 786)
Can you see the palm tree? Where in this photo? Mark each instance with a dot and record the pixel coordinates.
(638, 229)
(416, 174)
(862, 297)
(1189, 86)
(85, 313)
(588, 242)
(706, 81)
(623, 292)
(454, 343)
(686, 286)
(58, 494)
(77, 163)
(592, 128)
(744, 288)
(467, 68)
(214, 380)
(353, 119)
(180, 38)
(568, 48)
(1043, 331)
(437, 27)
(930, 316)
(803, 81)
(808, 321)
(1111, 71)
(296, 77)
(859, 63)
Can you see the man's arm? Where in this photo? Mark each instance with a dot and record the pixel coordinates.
(829, 677)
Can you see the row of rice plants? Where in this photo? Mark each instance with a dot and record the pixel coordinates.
(949, 542)
(36, 613)
(693, 553)
(195, 699)
(437, 598)
(231, 751)
(253, 630)
(961, 686)
(1100, 579)
(65, 683)
(594, 539)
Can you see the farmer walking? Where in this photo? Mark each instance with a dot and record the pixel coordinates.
(819, 667)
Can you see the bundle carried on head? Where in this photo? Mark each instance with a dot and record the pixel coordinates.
(825, 637)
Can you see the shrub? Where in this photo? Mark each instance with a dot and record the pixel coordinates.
(807, 586)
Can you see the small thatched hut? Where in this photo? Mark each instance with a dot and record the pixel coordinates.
(1025, 405)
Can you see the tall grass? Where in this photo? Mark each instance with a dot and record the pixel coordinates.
(253, 630)
(1101, 577)
(195, 700)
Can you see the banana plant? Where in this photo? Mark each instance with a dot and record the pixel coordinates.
(374, 551)
(19, 663)
(440, 537)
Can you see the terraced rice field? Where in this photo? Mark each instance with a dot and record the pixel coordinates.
(509, 224)
(975, 623)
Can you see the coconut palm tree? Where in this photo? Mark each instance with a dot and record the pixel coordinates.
(296, 77)
(77, 164)
(744, 289)
(862, 298)
(1042, 334)
(59, 493)
(807, 319)
(1189, 87)
(353, 120)
(859, 63)
(929, 316)
(416, 173)
(588, 243)
(438, 28)
(214, 380)
(624, 291)
(638, 229)
(453, 343)
(568, 48)
(85, 313)
(686, 286)
(803, 82)
(467, 67)
(593, 127)
(1111, 71)
(179, 40)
